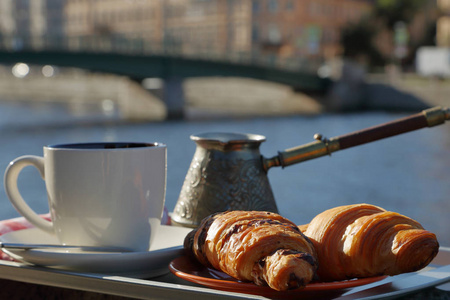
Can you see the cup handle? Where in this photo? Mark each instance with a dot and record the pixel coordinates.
(12, 191)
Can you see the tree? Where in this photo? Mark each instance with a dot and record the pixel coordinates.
(357, 39)
(393, 11)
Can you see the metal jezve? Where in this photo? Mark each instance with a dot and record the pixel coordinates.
(228, 172)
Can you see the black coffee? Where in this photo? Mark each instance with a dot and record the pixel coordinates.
(103, 145)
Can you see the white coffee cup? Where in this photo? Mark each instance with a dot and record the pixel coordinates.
(100, 194)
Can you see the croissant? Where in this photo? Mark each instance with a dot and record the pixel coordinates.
(364, 240)
(261, 247)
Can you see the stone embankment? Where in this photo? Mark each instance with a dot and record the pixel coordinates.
(354, 89)
(369, 92)
(78, 88)
(431, 90)
(203, 97)
(214, 97)
(243, 97)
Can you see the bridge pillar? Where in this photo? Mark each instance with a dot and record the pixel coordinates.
(174, 97)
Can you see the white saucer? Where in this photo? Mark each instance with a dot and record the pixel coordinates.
(166, 246)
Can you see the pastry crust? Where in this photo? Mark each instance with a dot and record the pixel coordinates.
(363, 240)
(256, 246)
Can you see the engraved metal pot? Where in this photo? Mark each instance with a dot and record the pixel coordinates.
(228, 172)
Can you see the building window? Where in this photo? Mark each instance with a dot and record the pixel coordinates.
(444, 4)
(314, 9)
(255, 6)
(290, 5)
(273, 6)
(255, 33)
(274, 34)
(443, 32)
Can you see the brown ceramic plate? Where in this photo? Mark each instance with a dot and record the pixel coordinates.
(192, 271)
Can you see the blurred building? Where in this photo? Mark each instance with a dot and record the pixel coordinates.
(285, 28)
(306, 28)
(31, 23)
(443, 24)
(15, 23)
(179, 26)
(241, 28)
(100, 25)
(7, 20)
(208, 27)
(54, 20)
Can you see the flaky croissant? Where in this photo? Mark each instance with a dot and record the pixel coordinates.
(364, 240)
(261, 247)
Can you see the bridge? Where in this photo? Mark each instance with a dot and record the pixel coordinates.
(171, 65)
(143, 66)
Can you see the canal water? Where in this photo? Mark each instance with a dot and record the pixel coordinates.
(409, 174)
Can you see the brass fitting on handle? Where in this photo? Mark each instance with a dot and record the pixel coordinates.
(320, 147)
(436, 115)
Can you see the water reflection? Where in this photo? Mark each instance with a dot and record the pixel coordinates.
(409, 174)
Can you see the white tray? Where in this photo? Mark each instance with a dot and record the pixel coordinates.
(164, 287)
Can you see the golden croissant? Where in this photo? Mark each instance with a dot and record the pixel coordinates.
(261, 247)
(364, 240)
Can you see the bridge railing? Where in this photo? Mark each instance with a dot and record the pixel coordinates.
(120, 44)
